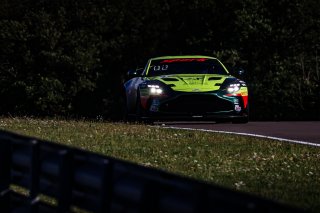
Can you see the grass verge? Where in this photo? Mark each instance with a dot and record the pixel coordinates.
(287, 173)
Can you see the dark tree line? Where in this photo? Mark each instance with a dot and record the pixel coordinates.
(69, 58)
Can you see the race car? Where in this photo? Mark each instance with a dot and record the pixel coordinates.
(185, 87)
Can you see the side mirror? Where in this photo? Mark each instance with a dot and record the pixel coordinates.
(240, 72)
(134, 73)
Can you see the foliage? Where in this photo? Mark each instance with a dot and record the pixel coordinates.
(70, 57)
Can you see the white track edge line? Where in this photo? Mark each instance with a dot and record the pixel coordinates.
(245, 134)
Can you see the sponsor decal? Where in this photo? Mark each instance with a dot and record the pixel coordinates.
(183, 60)
(237, 108)
(162, 67)
(154, 108)
(155, 105)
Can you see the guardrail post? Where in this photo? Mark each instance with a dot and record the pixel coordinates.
(65, 183)
(106, 188)
(5, 153)
(34, 176)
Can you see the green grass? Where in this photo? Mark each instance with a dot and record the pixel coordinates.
(287, 173)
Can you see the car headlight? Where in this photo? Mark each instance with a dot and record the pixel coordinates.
(155, 89)
(232, 88)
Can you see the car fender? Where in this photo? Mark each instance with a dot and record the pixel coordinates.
(131, 88)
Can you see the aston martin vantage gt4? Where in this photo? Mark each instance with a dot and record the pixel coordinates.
(187, 87)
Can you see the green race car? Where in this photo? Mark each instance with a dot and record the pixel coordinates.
(186, 87)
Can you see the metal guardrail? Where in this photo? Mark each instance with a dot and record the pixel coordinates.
(77, 180)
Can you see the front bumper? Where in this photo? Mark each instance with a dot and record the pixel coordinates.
(202, 106)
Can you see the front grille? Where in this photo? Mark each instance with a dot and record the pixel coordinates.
(196, 103)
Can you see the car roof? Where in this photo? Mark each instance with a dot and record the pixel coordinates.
(182, 56)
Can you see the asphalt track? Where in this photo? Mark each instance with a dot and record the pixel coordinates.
(305, 132)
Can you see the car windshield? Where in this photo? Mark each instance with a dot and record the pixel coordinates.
(186, 66)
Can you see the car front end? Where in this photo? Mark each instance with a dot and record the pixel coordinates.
(211, 97)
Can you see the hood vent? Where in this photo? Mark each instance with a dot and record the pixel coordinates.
(170, 79)
(214, 78)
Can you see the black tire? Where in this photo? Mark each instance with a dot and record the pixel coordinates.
(125, 116)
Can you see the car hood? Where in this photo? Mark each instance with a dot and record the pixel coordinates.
(192, 82)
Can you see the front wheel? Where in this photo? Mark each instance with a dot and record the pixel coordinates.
(125, 115)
